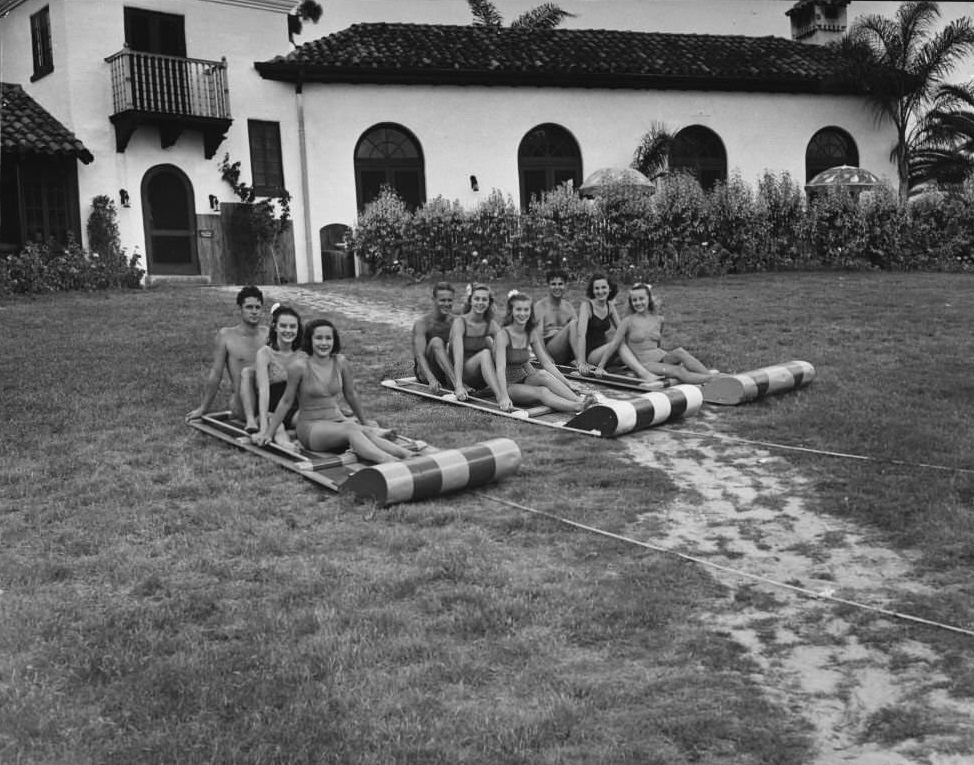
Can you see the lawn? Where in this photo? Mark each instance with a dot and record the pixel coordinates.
(169, 599)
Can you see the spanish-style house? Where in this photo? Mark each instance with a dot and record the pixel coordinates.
(140, 101)
(163, 90)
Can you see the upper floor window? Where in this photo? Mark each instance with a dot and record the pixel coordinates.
(40, 43)
(155, 32)
(699, 151)
(266, 165)
(547, 157)
(829, 147)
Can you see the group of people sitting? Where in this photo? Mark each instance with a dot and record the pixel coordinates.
(291, 376)
(473, 350)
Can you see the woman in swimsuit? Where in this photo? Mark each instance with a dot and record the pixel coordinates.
(316, 381)
(597, 316)
(641, 331)
(270, 373)
(518, 380)
(471, 340)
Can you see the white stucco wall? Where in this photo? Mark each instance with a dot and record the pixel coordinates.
(468, 131)
(78, 93)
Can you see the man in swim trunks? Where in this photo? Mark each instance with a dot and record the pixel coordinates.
(233, 349)
(431, 334)
(556, 317)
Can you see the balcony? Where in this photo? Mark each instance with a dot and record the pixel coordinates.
(171, 93)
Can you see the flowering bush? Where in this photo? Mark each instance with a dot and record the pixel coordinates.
(681, 231)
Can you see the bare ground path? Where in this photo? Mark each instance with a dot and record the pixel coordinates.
(745, 508)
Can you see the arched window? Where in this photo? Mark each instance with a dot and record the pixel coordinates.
(389, 155)
(699, 151)
(547, 157)
(829, 147)
(169, 219)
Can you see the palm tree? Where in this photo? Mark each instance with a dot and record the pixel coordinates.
(544, 16)
(945, 152)
(652, 155)
(902, 64)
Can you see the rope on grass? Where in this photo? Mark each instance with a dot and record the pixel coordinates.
(821, 452)
(727, 569)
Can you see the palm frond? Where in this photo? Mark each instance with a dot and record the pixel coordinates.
(544, 16)
(652, 155)
(485, 13)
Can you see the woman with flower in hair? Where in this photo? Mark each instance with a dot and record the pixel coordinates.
(597, 318)
(316, 381)
(270, 373)
(641, 332)
(471, 340)
(518, 380)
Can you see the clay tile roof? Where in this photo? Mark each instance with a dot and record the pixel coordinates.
(26, 127)
(603, 58)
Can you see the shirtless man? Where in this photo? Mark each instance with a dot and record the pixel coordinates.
(235, 348)
(431, 335)
(556, 318)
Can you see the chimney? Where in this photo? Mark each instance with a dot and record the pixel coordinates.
(818, 22)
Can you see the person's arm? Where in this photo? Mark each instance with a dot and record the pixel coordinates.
(578, 340)
(621, 333)
(261, 362)
(545, 359)
(348, 388)
(213, 377)
(539, 316)
(456, 348)
(500, 364)
(295, 373)
(419, 355)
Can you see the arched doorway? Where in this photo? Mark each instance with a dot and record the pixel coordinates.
(829, 147)
(699, 151)
(547, 157)
(169, 219)
(389, 155)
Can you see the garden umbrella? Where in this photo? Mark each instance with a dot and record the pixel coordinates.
(615, 176)
(855, 179)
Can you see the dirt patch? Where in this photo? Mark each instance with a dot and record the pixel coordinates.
(744, 508)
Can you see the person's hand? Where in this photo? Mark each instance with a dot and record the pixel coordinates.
(599, 371)
(584, 368)
(195, 414)
(505, 404)
(434, 386)
(461, 392)
(261, 438)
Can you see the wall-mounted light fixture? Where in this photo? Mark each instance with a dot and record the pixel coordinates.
(214, 203)
(123, 197)
(474, 186)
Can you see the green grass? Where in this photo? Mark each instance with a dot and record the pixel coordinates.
(166, 599)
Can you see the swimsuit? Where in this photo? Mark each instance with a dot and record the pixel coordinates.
(518, 367)
(318, 398)
(473, 344)
(596, 330)
(277, 376)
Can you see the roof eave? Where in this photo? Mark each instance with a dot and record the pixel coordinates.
(289, 72)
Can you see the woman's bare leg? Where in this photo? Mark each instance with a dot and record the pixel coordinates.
(681, 373)
(522, 393)
(628, 358)
(687, 359)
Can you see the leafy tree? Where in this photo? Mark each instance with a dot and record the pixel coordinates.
(902, 64)
(945, 152)
(544, 16)
(307, 10)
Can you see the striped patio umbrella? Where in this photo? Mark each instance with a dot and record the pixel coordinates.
(855, 179)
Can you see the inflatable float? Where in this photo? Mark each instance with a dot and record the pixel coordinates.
(431, 472)
(734, 389)
(617, 413)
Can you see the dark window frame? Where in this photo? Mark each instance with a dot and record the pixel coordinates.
(392, 151)
(540, 153)
(41, 46)
(266, 158)
(699, 150)
(823, 143)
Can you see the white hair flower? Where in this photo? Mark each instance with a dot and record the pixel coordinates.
(512, 293)
(469, 290)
